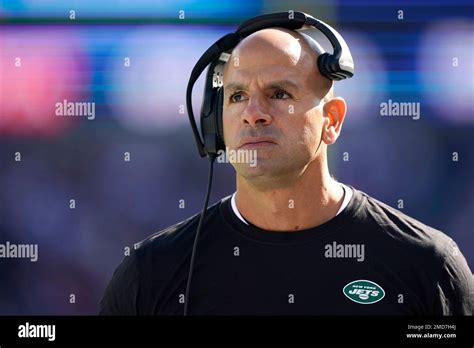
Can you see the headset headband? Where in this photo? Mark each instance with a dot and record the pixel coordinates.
(336, 66)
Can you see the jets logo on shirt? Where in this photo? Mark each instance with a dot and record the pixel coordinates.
(363, 291)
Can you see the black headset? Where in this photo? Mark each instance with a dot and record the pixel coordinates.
(335, 66)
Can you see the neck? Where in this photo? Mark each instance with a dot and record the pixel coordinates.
(307, 200)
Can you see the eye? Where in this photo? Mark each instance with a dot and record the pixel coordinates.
(281, 95)
(236, 97)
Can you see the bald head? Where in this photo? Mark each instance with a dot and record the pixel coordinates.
(281, 48)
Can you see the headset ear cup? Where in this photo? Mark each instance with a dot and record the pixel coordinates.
(219, 122)
(329, 66)
(324, 66)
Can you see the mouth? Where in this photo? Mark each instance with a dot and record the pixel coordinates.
(256, 142)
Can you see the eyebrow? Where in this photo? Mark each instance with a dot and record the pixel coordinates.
(281, 84)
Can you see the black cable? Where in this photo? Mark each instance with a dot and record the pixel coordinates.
(211, 158)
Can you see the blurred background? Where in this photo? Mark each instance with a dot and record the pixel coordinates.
(132, 59)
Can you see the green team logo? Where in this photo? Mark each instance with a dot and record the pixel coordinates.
(363, 291)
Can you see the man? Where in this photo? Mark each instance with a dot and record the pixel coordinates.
(291, 240)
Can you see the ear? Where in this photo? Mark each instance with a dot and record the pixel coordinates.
(334, 112)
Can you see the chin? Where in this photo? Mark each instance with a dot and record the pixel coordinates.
(263, 169)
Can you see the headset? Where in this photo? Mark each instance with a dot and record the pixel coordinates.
(336, 66)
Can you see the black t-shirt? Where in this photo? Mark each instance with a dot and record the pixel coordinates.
(369, 259)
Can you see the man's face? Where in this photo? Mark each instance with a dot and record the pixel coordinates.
(273, 92)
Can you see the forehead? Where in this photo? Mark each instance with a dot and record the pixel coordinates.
(261, 75)
(267, 54)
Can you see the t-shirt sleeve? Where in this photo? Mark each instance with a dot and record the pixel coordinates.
(455, 288)
(122, 293)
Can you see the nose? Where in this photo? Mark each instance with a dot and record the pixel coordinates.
(255, 113)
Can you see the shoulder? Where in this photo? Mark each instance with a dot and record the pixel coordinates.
(176, 236)
(420, 252)
(390, 225)
(168, 246)
(149, 261)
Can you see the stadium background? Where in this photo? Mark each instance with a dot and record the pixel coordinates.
(426, 57)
